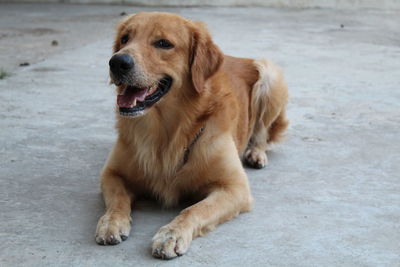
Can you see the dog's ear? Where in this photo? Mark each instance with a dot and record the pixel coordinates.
(205, 58)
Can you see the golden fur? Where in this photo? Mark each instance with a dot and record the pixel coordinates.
(239, 102)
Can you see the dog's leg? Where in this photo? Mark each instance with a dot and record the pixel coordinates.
(228, 195)
(115, 225)
(269, 98)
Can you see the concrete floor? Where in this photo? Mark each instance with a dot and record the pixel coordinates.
(329, 197)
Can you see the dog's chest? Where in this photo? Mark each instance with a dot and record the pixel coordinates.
(160, 177)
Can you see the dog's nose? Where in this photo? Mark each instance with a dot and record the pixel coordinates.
(121, 63)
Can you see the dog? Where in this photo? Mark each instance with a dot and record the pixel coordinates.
(187, 115)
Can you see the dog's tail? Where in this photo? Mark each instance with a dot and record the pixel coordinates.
(268, 104)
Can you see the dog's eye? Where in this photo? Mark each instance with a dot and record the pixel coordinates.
(124, 39)
(164, 44)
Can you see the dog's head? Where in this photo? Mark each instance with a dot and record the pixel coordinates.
(159, 56)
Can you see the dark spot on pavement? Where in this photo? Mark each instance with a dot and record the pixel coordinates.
(47, 69)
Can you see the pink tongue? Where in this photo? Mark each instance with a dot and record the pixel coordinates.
(126, 100)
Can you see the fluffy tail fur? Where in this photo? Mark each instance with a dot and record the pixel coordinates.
(268, 112)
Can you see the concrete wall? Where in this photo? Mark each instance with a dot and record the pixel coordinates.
(381, 4)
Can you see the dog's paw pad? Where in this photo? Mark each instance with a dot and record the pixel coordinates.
(256, 158)
(112, 230)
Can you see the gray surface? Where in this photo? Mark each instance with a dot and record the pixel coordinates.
(330, 196)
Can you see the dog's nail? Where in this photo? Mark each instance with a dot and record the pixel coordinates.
(113, 240)
(100, 241)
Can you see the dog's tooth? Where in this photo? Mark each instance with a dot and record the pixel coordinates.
(134, 103)
(153, 89)
(122, 92)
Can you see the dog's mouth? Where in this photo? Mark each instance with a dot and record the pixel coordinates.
(134, 100)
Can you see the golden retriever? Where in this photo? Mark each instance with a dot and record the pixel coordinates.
(186, 116)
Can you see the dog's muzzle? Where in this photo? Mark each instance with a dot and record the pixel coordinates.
(135, 98)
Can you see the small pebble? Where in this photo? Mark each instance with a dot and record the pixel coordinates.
(54, 43)
(341, 26)
(122, 14)
(24, 64)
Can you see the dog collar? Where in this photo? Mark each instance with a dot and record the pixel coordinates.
(190, 146)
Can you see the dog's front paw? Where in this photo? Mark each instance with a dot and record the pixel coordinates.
(255, 158)
(112, 229)
(170, 242)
